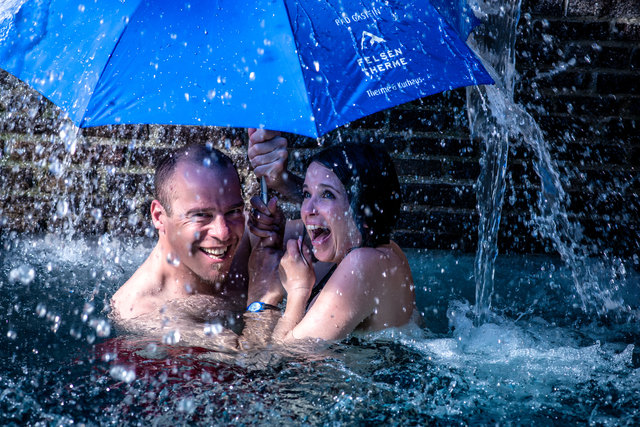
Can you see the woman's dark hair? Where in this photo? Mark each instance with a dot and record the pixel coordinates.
(370, 179)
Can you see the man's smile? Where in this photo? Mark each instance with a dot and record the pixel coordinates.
(218, 254)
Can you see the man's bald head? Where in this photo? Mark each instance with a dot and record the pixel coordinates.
(195, 153)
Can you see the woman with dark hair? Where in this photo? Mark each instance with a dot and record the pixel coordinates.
(351, 198)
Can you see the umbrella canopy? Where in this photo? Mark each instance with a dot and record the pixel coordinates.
(300, 66)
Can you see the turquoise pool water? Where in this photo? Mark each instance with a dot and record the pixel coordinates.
(540, 359)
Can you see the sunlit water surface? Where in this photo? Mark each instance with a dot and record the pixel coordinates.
(540, 359)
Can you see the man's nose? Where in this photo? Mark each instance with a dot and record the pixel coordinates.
(219, 228)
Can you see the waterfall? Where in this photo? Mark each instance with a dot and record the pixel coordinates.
(488, 110)
(497, 121)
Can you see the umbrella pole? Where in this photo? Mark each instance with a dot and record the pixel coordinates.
(263, 190)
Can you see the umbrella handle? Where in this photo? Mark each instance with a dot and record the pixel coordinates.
(263, 190)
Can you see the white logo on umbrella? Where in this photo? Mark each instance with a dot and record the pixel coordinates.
(372, 39)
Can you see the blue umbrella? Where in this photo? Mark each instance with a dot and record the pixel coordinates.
(300, 66)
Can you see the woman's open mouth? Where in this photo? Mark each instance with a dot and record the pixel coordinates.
(318, 234)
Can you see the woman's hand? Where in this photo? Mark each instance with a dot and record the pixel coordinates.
(297, 277)
(296, 271)
(267, 223)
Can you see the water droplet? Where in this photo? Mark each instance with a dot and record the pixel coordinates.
(108, 357)
(11, 334)
(171, 337)
(103, 328)
(173, 259)
(122, 373)
(212, 329)
(186, 405)
(96, 214)
(41, 310)
(24, 274)
(62, 207)
(206, 377)
(132, 220)
(75, 332)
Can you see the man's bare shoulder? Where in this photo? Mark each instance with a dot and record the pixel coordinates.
(140, 294)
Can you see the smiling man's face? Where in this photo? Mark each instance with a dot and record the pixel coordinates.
(206, 223)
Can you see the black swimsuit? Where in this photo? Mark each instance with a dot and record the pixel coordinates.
(318, 287)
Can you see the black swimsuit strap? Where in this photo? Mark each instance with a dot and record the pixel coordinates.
(320, 285)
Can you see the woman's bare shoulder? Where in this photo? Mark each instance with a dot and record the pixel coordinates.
(382, 256)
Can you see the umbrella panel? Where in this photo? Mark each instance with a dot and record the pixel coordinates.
(301, 66)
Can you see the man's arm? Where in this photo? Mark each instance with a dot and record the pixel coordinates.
(268, 156)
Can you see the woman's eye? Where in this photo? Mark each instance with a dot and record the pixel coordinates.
(328, 195)
(306, 195)
(234, 212)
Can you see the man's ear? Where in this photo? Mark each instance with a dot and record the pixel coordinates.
(158, 216)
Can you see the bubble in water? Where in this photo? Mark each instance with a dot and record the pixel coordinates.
(109, 356)
(11, 334)
(122, 373)
(41, 310)
(171, 337)
(87, 309)
(102, 327)
(186, 405)
(56, 324)
(212, 329)
(75, 333)
(23, 274)
(206, 377)
(151, 348)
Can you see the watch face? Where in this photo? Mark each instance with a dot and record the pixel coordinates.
(254, 306)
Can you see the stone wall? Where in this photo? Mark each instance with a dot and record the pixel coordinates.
(579, 74)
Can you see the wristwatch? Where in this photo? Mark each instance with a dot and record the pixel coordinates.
(257, 306)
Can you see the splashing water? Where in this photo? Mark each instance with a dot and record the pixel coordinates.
(498, 121)
(488, 122)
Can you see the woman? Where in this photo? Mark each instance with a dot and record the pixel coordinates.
(351, 199)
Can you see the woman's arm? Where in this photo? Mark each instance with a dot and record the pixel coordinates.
(346, 300)
(297, 277)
